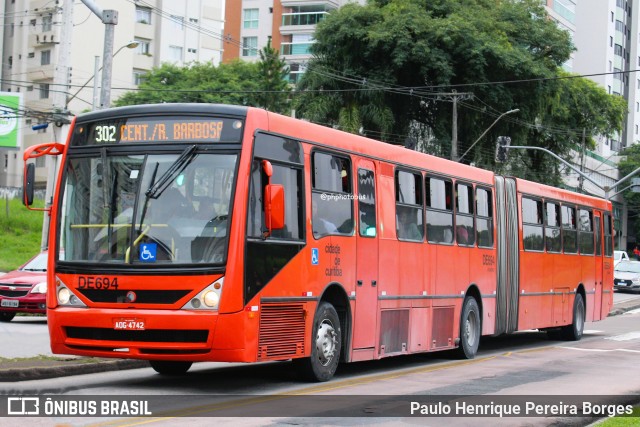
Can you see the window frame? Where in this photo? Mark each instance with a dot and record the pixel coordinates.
(321, 196)
(489, 219)
(538, 225)
(405, 205)
(447, 210)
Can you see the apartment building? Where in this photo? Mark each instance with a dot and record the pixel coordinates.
(288, 24)
(148, 33)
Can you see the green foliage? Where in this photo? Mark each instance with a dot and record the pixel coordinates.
(366, 57)
(237, 83)
(272, 71)
(20, 233)
(631, 162)
(200, 83)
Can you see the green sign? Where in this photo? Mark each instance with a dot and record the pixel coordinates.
(10, 107)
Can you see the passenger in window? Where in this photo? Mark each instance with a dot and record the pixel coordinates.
(321, 226)
(462, 235)
(407, 226)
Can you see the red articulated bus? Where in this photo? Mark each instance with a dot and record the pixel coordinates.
(193, 232)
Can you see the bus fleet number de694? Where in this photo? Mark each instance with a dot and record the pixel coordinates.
(92, 282)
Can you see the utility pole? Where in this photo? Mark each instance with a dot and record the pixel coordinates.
(582, 160)
(453, 97)
(60, 113)
(110, 19)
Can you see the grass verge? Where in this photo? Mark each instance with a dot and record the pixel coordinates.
(20, 233)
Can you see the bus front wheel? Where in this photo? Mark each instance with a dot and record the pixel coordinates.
(326, 344)
(470, 329)
(165, 367)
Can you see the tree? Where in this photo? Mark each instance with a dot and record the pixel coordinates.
(273, 72)
(629, 163)
(232, 83)
(389, 68)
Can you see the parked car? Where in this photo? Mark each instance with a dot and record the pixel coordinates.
(626, 276)
(24, 290)
(619, 256)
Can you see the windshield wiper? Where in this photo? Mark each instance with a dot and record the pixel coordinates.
(155, 190)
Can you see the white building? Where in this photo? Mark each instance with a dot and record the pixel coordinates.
(177, 31)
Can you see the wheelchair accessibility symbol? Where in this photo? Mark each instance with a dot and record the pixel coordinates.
(148, 252)
(314, 256)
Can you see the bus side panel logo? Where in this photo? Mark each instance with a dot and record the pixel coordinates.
(315, 256)
(148, 252)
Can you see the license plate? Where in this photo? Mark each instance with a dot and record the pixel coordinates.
(13, 303)
(129, 324)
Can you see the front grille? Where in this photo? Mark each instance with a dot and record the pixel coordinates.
(17, 285)
(142, 297)
(13, 294)
(148, 335)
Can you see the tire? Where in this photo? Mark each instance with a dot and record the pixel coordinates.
(6, 316)
(470, 329)
(326, 346)
(573, 332)
(164, 367)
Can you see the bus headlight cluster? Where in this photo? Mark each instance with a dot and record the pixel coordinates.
(66, 297)
(208, 298)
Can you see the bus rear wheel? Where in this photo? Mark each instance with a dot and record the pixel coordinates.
(326, 344)
(172, 368)
(470, 329)
(573, 332)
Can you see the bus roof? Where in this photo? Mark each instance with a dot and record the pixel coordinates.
(339, 140)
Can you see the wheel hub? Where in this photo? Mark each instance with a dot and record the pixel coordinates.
(326, 342)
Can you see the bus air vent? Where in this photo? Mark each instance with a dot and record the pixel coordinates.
(282, 331)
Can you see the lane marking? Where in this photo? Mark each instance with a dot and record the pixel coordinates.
(625, 337)
(636, 311)
(601, 350)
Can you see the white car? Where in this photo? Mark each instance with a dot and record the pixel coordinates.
(619, 256)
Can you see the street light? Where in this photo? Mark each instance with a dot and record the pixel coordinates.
(487, 130)
(130, 45)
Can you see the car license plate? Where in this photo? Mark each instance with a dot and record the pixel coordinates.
(129, 324)
(13, 303)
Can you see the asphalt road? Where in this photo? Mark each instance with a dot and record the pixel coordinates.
(29, 336)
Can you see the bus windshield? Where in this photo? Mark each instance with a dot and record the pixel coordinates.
(147, 209)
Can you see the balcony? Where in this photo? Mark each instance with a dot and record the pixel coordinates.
(332, 4)
(302, 18)
(297, 49)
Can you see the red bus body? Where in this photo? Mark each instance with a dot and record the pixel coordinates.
(393, 296)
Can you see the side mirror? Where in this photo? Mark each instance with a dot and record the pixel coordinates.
(274, 206)
(273, 200)
(28, 185)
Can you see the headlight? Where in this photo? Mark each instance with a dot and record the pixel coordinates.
(208, 298)
(66, 296)
(40, 288)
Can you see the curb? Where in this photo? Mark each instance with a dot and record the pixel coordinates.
(41, 373)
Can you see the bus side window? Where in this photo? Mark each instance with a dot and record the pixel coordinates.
(569, 233)
(439, 210)
(484, 217)
(585, 228)
(409, 222)
(532, 228)
(553, 241)
(608, 235)
(332, 195)
(465, 229)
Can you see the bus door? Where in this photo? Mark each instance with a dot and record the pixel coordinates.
(366, 302)
(597, 299)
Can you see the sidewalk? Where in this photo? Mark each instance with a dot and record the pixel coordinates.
(12, 370)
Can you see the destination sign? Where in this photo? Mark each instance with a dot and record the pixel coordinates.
(158, 130)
